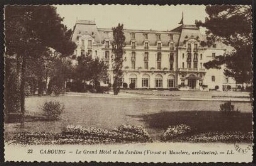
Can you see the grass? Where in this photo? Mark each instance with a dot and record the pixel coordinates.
(106, 112)
(204, 124)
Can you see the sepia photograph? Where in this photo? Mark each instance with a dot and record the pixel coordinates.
(128, 83)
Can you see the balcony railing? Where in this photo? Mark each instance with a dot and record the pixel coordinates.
(133, 47)
(195, 49)
(146, 48)
(159, 48)
(191, 70)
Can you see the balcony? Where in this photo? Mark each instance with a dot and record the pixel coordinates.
(195, 59)
(195, 49)
(191, 70)
(146, 47)
(159, 48)
(133, 47)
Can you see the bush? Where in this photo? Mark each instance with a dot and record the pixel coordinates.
(132, 86)
(228, 108)
(52, 110)
(125, 85)
(102, 89)
(174, 131)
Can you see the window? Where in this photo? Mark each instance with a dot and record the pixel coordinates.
(189, 57)
(195, 65)
(171, 46)
(106, 55)
(171, 37)
(195, 57)
(158, 36)
(133, 81)
(133, 60)
(95, 52)
(159, 46)
(133, 45)
(189, 65)
(226, 79)
(189, 47)
(145, 82)
(146, 45)
(171, 66)
(146, 65)
(183, 56)
(201, 56)
(89, 44)
(146, 60)
(89, 52)
(195, 47)
(159, 56)
(158, 60)
(82, 52)
(133, 64)
(107, 44)
(146, 56)
(133, 35)
(201, 65)
(183, 65)
(213, 78)
(170, 83)
(159, 82)
(213, 55)
(214, 45)
(171, 57)
(146, 36)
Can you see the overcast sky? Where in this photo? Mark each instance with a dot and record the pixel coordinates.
(132, 16)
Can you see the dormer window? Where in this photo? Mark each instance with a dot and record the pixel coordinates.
(133, 35)
(146, 36)
(171, 37)
(158, 36)
(214, 45)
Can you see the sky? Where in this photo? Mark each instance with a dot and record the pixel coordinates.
(142, 17)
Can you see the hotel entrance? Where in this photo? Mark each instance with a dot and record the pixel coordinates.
(192, 83)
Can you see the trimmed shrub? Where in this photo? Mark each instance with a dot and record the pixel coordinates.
(52, 110)
(174, 131)
(132, 86)
(228, 108)
(125, 85)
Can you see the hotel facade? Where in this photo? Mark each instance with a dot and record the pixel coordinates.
(156, 59)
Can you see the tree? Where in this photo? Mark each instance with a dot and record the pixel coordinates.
(29, 32)
(117, 48)
(232, 25)
(89, 68)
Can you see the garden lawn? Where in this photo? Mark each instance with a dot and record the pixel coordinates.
(155, 114)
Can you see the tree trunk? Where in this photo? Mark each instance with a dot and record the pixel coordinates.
(22, 90)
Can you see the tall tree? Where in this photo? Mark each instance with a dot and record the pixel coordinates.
(89, 68)
(232, 25)
(118, 45)
(29, 32)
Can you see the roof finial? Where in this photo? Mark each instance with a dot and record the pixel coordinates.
(181, 21)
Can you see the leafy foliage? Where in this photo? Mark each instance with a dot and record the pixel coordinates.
(90, 69)
(52, 110)
(232, 25)
(29, 32)
(117, 48)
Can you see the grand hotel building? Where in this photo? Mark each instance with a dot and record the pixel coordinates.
(156, 59)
